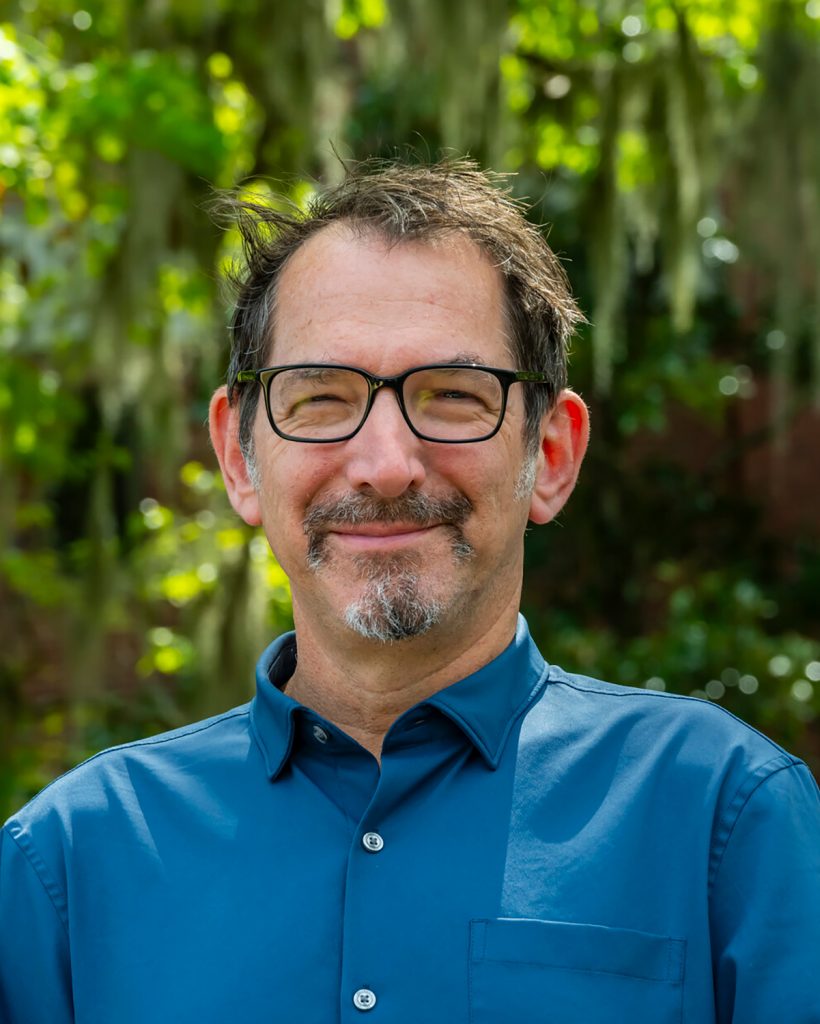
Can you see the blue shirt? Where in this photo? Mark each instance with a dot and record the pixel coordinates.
(536, 847)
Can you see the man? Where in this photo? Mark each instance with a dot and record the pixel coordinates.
(416, 819)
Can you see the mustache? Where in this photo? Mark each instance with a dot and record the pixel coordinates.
(414, 507)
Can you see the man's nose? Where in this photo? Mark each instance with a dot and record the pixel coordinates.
(385, 455)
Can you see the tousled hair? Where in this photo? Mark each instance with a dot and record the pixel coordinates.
(399, 201)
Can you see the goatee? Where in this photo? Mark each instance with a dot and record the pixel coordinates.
(393, 605)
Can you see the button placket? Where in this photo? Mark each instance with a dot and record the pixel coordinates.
(368, 877)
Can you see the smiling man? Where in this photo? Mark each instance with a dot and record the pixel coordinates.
(417, 819)
(396, 501)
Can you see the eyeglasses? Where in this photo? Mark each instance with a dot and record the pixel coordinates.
(451, 403)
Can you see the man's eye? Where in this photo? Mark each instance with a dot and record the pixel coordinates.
(455, 396)
(318, 400)
(326, 397)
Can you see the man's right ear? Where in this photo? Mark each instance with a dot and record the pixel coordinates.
(223, 420)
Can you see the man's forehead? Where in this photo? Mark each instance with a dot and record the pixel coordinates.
(344, 273)
(343, 239)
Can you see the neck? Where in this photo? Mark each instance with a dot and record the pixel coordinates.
(363, 686)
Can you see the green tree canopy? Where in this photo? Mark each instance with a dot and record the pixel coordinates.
(672, 148)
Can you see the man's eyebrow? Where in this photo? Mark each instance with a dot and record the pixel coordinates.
(467, 357)
(311, 372)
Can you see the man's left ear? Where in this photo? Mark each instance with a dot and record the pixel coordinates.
(564, 437)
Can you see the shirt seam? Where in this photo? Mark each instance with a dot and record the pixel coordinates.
(676, 982)
(191, 730)
(475, 927)
(728, 823)
(675, 959)
(41, 873)
(658, 695)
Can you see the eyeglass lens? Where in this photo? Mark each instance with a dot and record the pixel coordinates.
(442, 403)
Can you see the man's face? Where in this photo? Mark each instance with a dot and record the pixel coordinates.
(385, 533)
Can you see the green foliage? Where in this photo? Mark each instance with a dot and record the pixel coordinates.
(670, 145)
(712, 641)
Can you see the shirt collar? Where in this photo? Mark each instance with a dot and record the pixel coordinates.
(484, 705)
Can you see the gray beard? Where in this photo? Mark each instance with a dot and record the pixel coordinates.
(393, 605)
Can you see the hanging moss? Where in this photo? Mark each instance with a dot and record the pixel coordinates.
(607, 241)
(647, 132)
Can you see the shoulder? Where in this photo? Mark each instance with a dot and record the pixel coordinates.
(669, 758)
(115, 775)
(661, 727)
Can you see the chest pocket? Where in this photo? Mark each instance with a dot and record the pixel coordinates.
(553, 972)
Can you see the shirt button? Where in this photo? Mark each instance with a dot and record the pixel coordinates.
(364, 999)
(320, 734)
(372, 842)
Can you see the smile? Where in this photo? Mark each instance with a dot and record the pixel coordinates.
(381, 536)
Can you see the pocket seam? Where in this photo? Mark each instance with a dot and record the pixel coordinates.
(675, 983)
(475, 927)
(676, 954)
(675, 958)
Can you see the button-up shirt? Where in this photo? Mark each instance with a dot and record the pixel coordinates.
(536, 846)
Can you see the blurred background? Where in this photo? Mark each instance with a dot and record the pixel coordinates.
(672, 148)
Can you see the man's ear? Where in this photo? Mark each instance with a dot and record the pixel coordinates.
(223, 420)
(564, 437)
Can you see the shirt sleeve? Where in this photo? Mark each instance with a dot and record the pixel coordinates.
(35, 985)
(765, 905)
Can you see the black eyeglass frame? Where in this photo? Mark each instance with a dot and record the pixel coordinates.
(506, 378)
